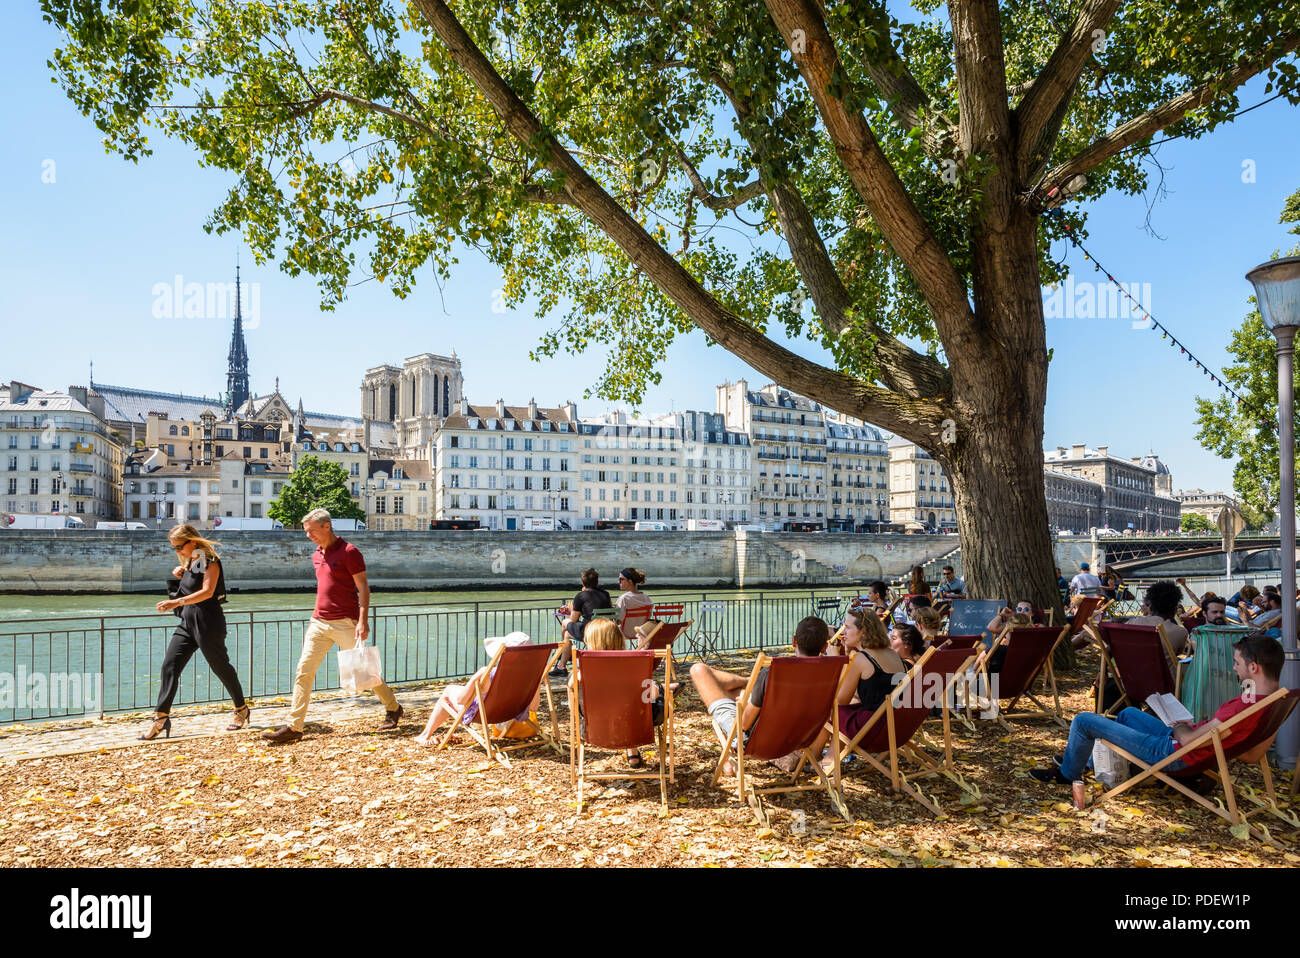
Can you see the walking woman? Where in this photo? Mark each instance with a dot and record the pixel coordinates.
(200, 588)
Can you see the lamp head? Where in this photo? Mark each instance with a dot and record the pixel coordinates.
(1277, 291)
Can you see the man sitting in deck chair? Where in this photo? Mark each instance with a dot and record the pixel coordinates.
(720, 690)
(1257, 662)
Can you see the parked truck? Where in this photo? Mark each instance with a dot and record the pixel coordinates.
(705, 525)
(42, 522)
(122, 526)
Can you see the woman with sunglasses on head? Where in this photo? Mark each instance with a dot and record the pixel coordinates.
(197, 589)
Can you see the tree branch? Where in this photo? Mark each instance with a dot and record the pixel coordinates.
(307, 106)
(905, 96)
(898, 366)
(1168, 113)
(1055, 84)
(873, 177)
(904, 416)
(701, 192)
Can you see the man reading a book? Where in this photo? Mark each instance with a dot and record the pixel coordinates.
(1257, 662)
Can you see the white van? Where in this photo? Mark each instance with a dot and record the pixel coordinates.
(347, 525)
(705, 525)
(245, 524)
(13, 521)
(650, 527)
(122, 526)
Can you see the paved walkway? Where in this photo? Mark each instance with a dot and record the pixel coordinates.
(46, 739)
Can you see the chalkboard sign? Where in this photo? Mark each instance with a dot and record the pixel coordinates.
(972, 616)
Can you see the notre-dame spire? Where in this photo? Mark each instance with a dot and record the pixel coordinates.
(237, 375)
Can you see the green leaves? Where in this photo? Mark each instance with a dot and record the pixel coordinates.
(314, 484)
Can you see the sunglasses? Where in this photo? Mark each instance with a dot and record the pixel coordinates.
(1023, 608)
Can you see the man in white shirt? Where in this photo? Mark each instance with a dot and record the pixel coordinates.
(1085, 583)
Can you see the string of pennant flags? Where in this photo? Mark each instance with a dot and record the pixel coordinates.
(1155, 326)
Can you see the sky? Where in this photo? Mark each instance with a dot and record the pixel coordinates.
(92, 240)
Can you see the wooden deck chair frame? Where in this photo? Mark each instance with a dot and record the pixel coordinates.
(961, 676)
(483, 732)
(578, 775)
(734, 745)
(1229, 810)
(898, 781)
(1053, 714)
(1108, 666)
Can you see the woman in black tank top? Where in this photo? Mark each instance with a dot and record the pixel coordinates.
(197, 589)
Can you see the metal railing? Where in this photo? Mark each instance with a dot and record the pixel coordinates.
(52, 664)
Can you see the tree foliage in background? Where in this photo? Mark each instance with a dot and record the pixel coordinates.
(314, 484)
(1194, 522)
(1250, 431)
(837, 171)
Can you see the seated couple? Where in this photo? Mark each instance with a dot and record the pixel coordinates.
(870, 677)
(1257, 662)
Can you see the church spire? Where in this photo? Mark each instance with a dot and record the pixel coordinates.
(237, 374)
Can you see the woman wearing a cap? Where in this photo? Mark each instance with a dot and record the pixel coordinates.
(630, 582)
(455, 696)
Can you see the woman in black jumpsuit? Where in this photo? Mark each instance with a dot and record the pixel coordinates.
(197, 589)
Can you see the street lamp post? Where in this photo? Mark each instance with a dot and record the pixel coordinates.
(1277, 293)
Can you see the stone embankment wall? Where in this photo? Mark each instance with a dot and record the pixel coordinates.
(115, 562)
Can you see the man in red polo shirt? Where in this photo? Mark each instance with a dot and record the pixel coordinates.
(340, 618)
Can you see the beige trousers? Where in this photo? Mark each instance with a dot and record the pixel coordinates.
(322, 635)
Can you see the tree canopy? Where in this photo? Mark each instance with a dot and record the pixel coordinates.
(1194, 522)
(818, 168)
(858, 174)
(314, 484)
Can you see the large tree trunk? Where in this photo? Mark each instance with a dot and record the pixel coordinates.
(995, 457)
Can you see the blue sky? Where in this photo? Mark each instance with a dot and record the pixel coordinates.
(83, 254)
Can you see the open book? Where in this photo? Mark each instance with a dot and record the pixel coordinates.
(1168, 709)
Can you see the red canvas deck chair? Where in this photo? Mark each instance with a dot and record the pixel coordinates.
(798, 701)
(616, 715)
(634, 616)
(1136, 656)
(661, 635)
(974, 644)
(1083, 614)
(957, 641)
(517, 671)
(889, 732)
(1253, 748)
(1029, 654)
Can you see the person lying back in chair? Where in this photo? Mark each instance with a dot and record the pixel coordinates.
(1257, 662)
(720, 691)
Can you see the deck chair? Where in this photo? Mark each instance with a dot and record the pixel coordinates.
(1082, 616)
(668, 610)
(1252, 748)
(636, 615)
(517, 672)
(615, 715)
(706, 641)
(1029, 654)
(659, 640)
(1136, 656)
(958, 641)
(891, 728)
(798, 701)
(1190, 622)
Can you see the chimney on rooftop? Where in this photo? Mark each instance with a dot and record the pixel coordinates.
(1076, 451)
(501, 408)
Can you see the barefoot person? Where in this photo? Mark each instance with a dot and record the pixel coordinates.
(454, 697)
(340, 618)
(200, 589)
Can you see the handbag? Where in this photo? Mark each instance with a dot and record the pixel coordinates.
(359, 668)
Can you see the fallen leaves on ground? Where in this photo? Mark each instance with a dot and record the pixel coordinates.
(351, 796)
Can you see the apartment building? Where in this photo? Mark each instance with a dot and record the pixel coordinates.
(919, 496)
(60, 457)
(630, 471)
(858, 458)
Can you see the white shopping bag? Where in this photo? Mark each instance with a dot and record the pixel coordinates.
(359, 668)
(1108, 765)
